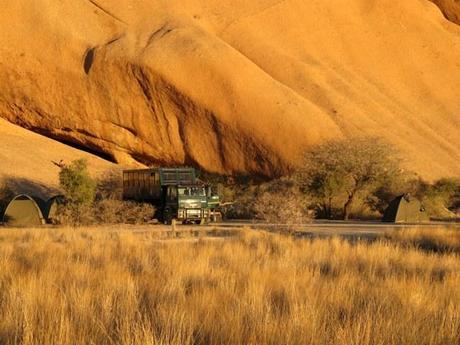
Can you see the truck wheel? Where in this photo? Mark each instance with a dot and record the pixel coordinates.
(218, 218)
(203, 221)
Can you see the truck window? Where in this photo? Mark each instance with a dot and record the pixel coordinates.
(197, 191)
(172, 193)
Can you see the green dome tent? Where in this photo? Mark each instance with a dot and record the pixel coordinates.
(405, 209)
(24, 211)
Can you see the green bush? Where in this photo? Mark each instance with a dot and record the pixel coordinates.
(78, 186)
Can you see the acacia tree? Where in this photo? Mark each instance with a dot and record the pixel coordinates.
(344, 168)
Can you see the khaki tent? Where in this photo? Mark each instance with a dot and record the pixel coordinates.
(405, 209)
(25, 211)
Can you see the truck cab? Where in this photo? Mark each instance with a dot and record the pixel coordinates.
(187, 204)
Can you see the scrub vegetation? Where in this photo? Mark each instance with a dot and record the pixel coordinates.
(341, 179)
(91, 202)
(121, 287)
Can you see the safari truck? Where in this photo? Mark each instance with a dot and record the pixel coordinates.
(175, 192)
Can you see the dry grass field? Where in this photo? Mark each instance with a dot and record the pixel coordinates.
(436, 240)
(117, 287)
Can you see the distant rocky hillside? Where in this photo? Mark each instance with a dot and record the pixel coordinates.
(234, 86)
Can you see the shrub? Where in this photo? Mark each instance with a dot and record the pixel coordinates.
(79, 188)
(73, 214)
(105, 212)
(110, 211)
(281, 202)
(82, 208)
(238, 196)
(276, 208)
(442, 199)
(110, 185)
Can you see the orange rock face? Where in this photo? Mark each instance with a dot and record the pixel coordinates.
(450, 8)
(234, 86)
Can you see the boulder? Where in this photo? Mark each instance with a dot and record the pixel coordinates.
(233, 86)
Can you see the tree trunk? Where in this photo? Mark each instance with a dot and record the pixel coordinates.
(327, 208)
(329, 212)
(347, 206)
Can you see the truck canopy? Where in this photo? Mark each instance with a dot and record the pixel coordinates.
(146, 184)
(177, 176)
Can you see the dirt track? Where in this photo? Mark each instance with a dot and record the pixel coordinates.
(351, 230)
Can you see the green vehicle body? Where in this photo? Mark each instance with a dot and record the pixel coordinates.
(214, 203)
(175, 192)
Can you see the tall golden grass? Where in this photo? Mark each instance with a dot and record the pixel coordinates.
(433, 239)
(117, 287)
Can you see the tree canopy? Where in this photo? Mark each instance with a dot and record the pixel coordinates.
(344, 168)
(75, 180)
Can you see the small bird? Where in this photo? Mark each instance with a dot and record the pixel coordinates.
(61, 163)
